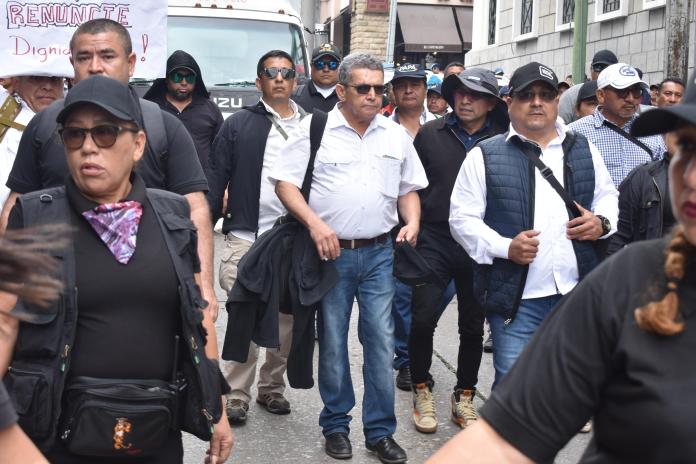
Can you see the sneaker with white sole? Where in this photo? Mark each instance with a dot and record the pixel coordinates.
(424, 408)
(463, 410)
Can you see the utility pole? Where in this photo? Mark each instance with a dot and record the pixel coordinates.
(580, 41)
(391, 36)
(677, 38)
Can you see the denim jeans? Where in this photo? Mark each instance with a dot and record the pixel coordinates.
(365, 273)
(509, 340)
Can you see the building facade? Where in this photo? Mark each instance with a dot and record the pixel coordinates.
(511, 33)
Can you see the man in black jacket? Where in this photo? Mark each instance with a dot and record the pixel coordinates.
(320, 92)
(442, 145)
(244, 151)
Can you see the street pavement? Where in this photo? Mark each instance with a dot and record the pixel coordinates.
(296, 438)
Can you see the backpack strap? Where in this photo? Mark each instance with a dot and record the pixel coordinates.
(316, 133)
(153, 120)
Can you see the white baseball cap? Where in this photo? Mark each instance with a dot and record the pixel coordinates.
(619, 76)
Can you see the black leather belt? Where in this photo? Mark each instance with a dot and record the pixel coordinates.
(362, 242)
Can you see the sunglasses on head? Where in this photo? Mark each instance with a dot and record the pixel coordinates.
(104, 135)
(177, 77)
(364, 89)
(528, 95)
(320, 64)
(285, 73)
(635, 92)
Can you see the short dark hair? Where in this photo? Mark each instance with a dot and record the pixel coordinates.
(101, 25)
(272, 54)
(674, 79)
(453, 63)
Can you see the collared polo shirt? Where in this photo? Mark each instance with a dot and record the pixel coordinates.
(469, 140)
(620, 155)
(356, 180)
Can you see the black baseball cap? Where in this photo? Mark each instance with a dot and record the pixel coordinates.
(530, 73)
(587, 91)
(604, 57)
(665, 119)
(109, 94)
(409, 70)
(436, 88)
(326, 49)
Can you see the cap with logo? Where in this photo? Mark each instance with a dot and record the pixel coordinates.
(587, 91)
(327, 49)
(109, 94)
(619, 76)
(604, 57)
(666, 118)
(526, 75)
(436, 88)
(477, 80)
(409, 70)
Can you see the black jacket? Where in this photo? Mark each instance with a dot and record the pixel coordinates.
(310, 99)
(235, 164)
(281, 270)
(178, 59)
(442, 154)
(643, 197)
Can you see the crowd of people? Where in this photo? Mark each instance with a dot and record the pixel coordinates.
(398, 195)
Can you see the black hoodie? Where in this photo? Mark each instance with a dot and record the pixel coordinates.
(201, 117)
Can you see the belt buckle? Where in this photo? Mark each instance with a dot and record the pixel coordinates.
(352, 244)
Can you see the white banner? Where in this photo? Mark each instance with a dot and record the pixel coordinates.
(35, 34)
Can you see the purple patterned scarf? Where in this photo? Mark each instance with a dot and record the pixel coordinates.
(117, 226)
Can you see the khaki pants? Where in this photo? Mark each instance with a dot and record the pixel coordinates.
(240, 376)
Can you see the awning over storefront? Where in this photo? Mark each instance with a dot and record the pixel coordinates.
(429, 28)
(465, 18)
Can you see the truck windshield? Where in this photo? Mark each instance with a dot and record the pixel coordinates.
(228, 49)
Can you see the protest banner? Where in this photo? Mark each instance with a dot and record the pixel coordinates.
(35, 36)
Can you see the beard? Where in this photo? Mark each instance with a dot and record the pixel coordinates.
(179, 95)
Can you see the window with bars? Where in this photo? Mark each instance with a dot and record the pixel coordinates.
(526, 17)
(610, 5)
(492, 16)
(568, 11)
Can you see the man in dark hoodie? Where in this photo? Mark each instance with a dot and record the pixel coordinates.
(183, 94)
(442, 145)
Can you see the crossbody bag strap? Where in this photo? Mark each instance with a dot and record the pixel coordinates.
(316, 132)
(629, 137)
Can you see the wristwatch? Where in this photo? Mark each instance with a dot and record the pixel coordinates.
(606, 225)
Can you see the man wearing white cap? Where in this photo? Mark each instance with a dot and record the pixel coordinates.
(619, 91)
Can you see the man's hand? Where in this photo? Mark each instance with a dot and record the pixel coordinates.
(209, 296)
(524, 247)
(586, 227)
(221, 443)
(325, 239)
(409, 232)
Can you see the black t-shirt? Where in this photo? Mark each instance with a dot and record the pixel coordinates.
(202, 118)
(8, 416)
(310, 99)
(41, 163)
(590, 359)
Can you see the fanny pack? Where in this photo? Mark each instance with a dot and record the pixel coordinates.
(119, 418)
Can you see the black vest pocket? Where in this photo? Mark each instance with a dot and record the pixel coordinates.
(41, 337)
(31, 396)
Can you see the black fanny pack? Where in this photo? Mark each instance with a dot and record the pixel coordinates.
(118, 418)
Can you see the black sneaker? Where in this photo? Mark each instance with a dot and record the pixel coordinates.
(236, 410)
(403, 379)
(274, 403)
(338, 446)
(388, 451)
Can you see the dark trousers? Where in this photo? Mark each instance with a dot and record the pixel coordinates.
(449, 261)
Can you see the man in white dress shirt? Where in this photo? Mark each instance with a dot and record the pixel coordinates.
(365, 167)
(530, 249)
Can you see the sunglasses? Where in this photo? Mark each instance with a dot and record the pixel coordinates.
(463, 93)
(319, 64)
(364, 89)
(285, 73)
(104, 136)
(635, 92)
(177, 77)
(528, 95)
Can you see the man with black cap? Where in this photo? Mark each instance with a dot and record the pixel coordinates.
(566, 107)
(514, 223)
(442, 146)
(183, 94)
(320, 92)
(437, 105)
(587, 99)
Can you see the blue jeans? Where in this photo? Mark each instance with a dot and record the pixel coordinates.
(509, 340)
(365, 273)
(401, 312)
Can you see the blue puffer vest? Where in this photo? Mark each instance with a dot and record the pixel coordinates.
(510, 186)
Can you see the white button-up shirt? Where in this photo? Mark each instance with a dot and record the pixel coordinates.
(356, 180)
(555, 269)
(10, 143)
(270, 207)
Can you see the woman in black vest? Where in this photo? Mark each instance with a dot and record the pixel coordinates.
(135, 358)
(619, 348)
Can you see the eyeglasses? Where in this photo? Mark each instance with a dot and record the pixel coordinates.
(527, 95)
(635, 92)
(320, 64)
(177, 77)
(285, 73)
(104, 136)
(364, 89)
(598, 68)
(464, 93)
